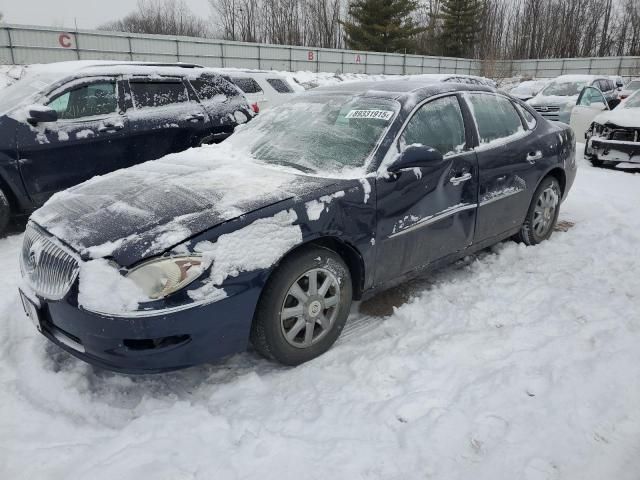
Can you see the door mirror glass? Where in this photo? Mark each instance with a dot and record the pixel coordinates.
(39, 113)
(591, 97)
(417, 156)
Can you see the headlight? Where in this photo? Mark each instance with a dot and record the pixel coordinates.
(163, 276)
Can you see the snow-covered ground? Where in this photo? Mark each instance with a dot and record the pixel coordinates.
(518, 363)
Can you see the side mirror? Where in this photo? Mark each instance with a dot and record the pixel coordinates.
(41, 114)
(417, 156)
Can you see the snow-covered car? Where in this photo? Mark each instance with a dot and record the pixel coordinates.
(270, 235)
(453, 78)
(613, 136)
(556, 101)
(528, 89)
(262, 89)
(64, 123)
(629, 89)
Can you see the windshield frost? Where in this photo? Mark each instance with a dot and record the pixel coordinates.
(564, 89)
(25, 91)
(633, 101)
(318, 133)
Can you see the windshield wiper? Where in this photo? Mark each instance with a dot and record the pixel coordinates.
(293, 165)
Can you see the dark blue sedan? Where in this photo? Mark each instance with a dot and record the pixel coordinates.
(268, 237)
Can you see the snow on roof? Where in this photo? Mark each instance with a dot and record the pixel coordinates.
(107, 66)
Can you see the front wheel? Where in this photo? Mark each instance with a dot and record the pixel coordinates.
(542, 214)
(303, 307)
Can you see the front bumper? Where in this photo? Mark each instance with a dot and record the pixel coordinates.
(153, 343)
(613, 150)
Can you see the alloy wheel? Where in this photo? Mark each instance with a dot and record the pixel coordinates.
(310, 307)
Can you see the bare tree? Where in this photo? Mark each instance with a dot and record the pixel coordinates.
(166, 17)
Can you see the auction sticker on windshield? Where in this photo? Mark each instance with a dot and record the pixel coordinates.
(377, 114)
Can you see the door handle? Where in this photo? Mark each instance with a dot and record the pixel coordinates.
(533, 156)
(110, 127)
(461, 178)
(198, 117)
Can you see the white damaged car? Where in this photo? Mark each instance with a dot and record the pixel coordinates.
(612, 136)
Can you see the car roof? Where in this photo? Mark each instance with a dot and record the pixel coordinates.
(399, 89)
(97, 67)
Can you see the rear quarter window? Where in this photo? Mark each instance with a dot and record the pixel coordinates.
(247, 85)
(279, 85)
(207, 87)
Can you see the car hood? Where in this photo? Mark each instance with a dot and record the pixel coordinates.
(553, 100)
(145, 210)
(622, 117)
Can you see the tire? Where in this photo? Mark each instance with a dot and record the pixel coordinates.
(543, 213)
(315, 321)
(5, 212)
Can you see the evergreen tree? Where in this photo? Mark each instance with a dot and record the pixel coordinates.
(381, 25)
(461, 23)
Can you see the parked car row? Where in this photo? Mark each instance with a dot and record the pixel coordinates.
(65, 123)
(269, 236)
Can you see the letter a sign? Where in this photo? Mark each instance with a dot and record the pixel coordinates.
(358, 58)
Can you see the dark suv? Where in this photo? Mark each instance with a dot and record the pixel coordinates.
(64, 123)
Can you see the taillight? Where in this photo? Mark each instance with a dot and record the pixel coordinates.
(255, 107)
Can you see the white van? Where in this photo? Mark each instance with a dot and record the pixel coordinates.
(262, 89)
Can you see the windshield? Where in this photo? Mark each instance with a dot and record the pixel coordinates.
(25, 91)
(327, 134)
(633, 85)
(564, 89)
(633, 101)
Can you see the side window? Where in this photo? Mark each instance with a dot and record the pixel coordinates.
(86, 101)
(591, 97)
(158, 94)
(279, 85)
(208, 86)
(495, 117)
(247, 85)
(438, 124)
(529, 119)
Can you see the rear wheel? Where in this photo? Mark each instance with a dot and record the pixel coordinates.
(5, 212)
(542, 214)
(303, 307)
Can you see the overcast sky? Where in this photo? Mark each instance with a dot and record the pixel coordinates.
(88, 13)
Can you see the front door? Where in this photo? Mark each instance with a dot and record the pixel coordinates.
(88, 139)
(591, 103)
(428, 213)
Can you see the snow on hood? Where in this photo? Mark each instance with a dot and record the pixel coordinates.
(144, 210)
(623, 117)
(553, 100)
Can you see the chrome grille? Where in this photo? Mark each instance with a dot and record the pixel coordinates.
(48, 268)
(547, 108)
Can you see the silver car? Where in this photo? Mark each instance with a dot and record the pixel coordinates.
(556, 101)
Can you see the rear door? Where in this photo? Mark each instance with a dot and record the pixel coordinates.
(89, 138)
(591, 103)
(507, 155)
(164, 117)
(425, 214)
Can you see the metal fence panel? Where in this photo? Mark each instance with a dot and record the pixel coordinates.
(21, 44)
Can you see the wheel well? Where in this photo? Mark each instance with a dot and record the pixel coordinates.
(559, 175)
(348, 253)
(13, 201)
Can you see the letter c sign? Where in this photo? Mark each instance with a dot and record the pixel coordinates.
(64, 40)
